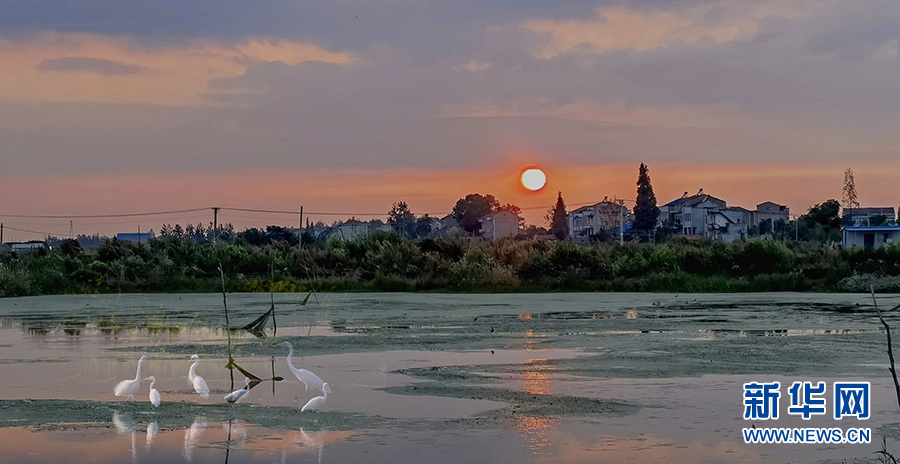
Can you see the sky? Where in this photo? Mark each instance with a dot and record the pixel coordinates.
(346, 106)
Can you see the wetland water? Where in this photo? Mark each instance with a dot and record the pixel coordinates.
(521, 378)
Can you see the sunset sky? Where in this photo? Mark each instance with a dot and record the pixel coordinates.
(346, 106)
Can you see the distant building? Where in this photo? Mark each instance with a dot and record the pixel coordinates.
(692, 212)
(588, 221)
(26, 246)
(773, 211)
(871, 237)
(351, 229)
(136, 237)
(499, 224)
(727, 225)
(447, 226)
(867, 216)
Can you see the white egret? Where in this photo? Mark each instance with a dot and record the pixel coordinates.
(130, 387)
(309, 379)
(154, 393)
(238, 395)
(318, 401)
(198, 383)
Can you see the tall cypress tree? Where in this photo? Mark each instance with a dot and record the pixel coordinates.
(645, 210)
(559, 221)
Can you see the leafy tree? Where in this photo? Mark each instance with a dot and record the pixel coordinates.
(469, 210)
(424, 226)
(559, 222)
(515, 210)
(849, 196)
(879, 220)
(72, 247)
(825, 214)
(402, 220)
(645, 211)
(765, 226)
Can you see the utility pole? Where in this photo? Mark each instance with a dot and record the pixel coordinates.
(1, 233)
(300, 239)
(622, 222)
(139, 234)
(71, 229)
(215, 223)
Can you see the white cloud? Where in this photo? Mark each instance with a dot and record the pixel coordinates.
(626, 28)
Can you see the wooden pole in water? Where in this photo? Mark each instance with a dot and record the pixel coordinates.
(227, 327)
(890, 348)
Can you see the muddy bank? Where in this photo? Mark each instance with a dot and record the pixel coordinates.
(520, 402)
(68, 413)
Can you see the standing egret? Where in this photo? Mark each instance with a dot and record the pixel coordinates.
(154, 393)
(237, 395)
(197, 381)
(307, 377)
(318, 401)
(130, 387)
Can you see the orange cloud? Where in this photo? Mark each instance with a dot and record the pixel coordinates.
(709, 116)
(62, 67)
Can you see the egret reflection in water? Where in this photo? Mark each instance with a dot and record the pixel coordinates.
(313, 440)
(125, 425)
(152, 430)
(191, 435)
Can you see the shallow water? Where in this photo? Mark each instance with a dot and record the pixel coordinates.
(520, 376)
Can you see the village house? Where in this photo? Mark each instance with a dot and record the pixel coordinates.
(692, 211)
(877, 216)
(728, 224)
(136, 237)
(499, 224)
(773, 211)
(351, 229)
(871, 237)
(588, 221)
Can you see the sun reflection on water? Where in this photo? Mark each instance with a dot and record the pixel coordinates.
(537, 380)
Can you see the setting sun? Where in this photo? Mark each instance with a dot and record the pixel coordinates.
(534, 179)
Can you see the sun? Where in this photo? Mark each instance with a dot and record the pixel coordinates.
(534, 179)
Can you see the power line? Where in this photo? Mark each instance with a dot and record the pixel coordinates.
(37, 232)
(85, 216)
(246, 210)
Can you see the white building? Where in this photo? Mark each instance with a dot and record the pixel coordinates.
(692, 212)
(773, 211)
(871, 237)
(864, 216)
(351, 229)
(588, 221)
(499, 224)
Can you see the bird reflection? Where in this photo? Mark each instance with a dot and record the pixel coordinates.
(124, 424)
(313, 440)
(152, 429)
(191, 436)
(235, 429)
